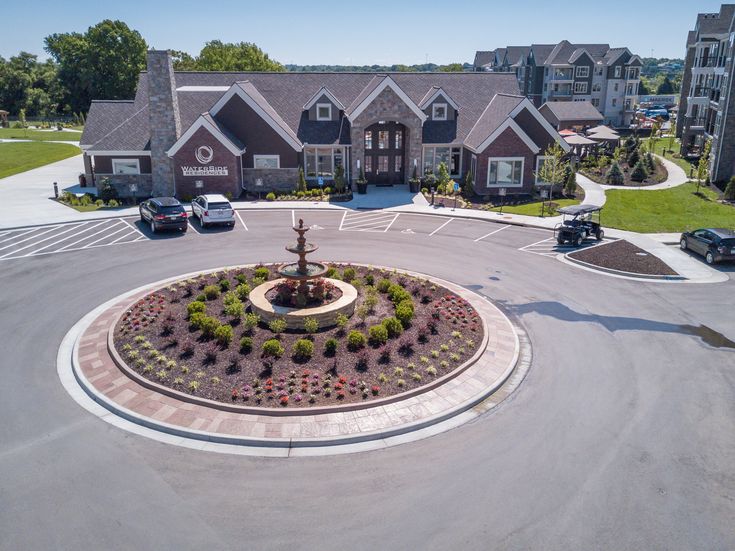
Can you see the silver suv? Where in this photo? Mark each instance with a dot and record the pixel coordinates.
(213, 209)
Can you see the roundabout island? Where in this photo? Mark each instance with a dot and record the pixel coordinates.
(299, 355)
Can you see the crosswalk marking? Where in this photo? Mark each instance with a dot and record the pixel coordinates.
(372, 221)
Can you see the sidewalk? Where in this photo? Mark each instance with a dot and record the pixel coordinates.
(676, 177)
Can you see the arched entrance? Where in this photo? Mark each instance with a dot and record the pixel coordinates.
(385, 159)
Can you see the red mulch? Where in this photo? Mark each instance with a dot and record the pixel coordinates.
(239, 375)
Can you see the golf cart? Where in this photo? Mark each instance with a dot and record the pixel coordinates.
(580, 222)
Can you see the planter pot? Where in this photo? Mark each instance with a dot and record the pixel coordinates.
(415, 186)
(362, 188)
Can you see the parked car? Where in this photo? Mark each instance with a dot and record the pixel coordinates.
(579, 223)
(213, 209)
(164, 213)
(714, 244)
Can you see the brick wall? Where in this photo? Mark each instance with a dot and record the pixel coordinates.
(508, 144)
(280, 179)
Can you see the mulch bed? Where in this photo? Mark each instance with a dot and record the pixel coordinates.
(444, 333)
(624, 256)
(660, 175)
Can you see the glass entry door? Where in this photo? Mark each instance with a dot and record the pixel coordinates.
(384, 153)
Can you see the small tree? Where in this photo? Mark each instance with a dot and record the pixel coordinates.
(615, 176)
(570, 184)
(429, 179)
(468, 189)
(633, 157)
(672, 136)
(339, 178)
(619, 154)
(442, 179)
(603, 162)
(703, 166)
(301, 186)
(640, 172)
(22, 118)
(650, 163)
(730, 190)
(553, 168)
(655, 133)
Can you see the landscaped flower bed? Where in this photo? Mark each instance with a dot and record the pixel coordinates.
(198, 336)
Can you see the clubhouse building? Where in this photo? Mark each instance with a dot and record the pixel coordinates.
(188, 133)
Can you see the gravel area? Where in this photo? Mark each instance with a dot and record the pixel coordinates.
(624, 256)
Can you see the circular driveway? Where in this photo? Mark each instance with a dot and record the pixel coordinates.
(621, 436)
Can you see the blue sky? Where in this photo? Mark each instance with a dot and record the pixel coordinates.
(374, 32)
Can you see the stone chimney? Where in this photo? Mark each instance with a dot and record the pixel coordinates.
(163, 110)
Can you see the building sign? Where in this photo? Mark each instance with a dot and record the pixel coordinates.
(204, 154)
(205, 170)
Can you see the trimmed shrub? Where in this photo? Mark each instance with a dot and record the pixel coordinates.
(404, 312)
(650, 163)
(397, 294)
(251, 321)
(348, 274)
(272, 348)
(223, 334)
(311, 325)
(243, 291)
(730, 190)
(196, 319)
(277, 325)
(330, 347)
(234, 309)
(356, 340)
(246, 344)
(640, 172)
(384, 285)
(633, 157)
(615, 176)
(262, 273)
(211, 292)
(369, 279)
(209, 326)
(270, 197)
(378, 334)
(194, 307)
(302, 349)
(224, 285)
(393, 326)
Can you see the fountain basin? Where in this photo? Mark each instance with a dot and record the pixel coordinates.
(294, 317)
(313, 270)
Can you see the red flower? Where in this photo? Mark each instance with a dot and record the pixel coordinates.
(340, 395)
(375, 389)
(284, 400)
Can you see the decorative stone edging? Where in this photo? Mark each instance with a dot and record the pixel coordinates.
(294, 317)
(183, 423)
(472, 298)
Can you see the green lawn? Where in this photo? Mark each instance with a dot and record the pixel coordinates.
(533, 208)
(671, 210)
(22, 156)
(663, 144)
(39, 135)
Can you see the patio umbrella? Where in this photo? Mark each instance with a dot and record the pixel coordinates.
(604, 136)
(578, 140)
(567, 132)
(601, 128)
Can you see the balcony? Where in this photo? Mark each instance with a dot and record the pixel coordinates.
(561, 76)
(696, 123)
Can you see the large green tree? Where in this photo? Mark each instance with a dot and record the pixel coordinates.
(26, 83)
(226, 56)
(102, 63)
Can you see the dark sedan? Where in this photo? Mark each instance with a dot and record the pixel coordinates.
(714, 244)
(164, 213)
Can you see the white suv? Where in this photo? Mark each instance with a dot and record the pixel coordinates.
(213, 209)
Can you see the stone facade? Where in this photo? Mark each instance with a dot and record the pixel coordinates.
(276, 179)
(387, 107)
(122, 183)
(164, 119)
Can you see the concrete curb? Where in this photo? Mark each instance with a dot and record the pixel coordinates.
(83, 392)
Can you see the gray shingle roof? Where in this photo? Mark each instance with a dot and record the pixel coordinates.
(574, 110)
(492, 117)
(541, 52)
(283, 96)
(484, 57)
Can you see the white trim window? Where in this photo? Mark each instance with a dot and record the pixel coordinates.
(321, 161)
(582, 71)
(266, 161)
(596, 87)
(324, 111)
(618, 71)
(435, 155)
(580, 87)
(505, 172)
(439, 111)
(125, 166)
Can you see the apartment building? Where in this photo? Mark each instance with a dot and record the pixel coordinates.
(606, 77)
(705, 109)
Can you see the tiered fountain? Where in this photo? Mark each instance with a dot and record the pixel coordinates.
(306, 273)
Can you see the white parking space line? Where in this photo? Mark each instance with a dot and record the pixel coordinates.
(191, 225)
(440, 227)
(124, 228)
(19, 234)
(52, 228)
(491, 233)
(133, 227)
(82, 227)
(67, 247)
(293, 218)
(38, 242)
(244, 225)
(344, 213)
(391, 222)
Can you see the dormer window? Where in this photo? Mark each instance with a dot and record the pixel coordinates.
(439, 112)
(324, 111)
